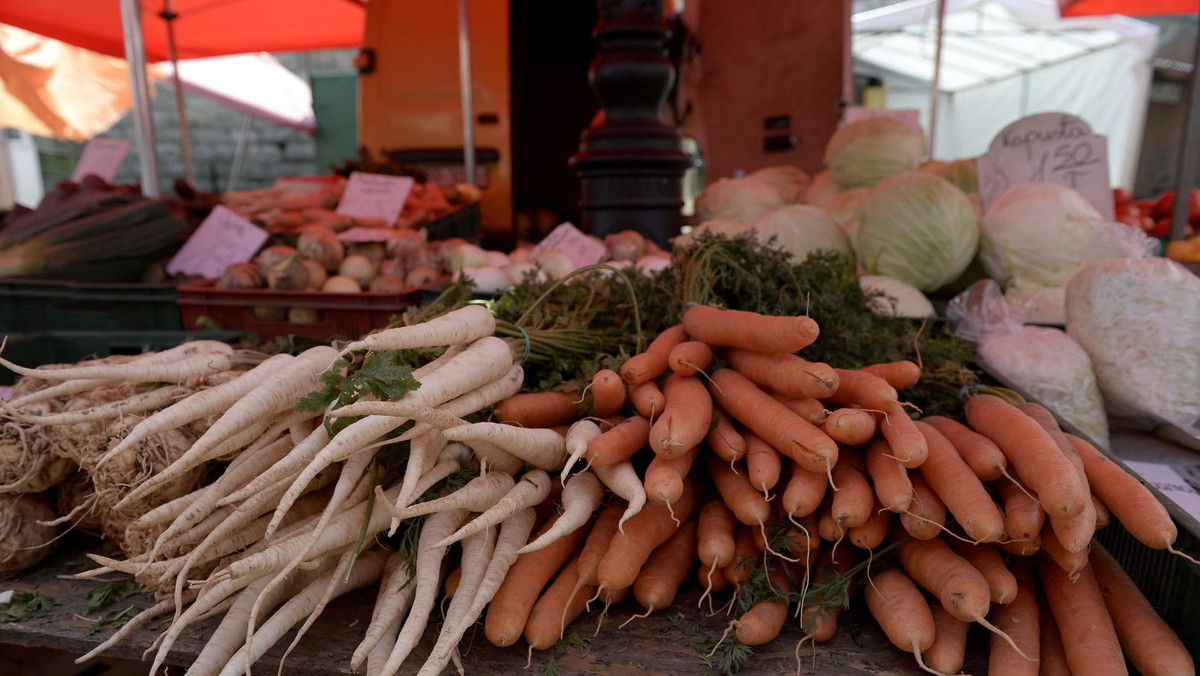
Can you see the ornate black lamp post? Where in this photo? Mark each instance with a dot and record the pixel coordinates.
(630, 162)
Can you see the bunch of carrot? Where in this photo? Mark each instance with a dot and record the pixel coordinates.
(733, 459)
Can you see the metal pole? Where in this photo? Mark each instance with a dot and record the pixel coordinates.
(185, 137)
(143, 122)
(464, 81)
(239, 156)
(1186, 175)
(936, 86)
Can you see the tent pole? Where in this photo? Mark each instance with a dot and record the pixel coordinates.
(1185, 176)
(239, 155)
(464, 81)
(936, 85)
(185, 137)
(143, 121)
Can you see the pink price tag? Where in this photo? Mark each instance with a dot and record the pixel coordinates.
(101, 157)
(581, 249)
(224, 238)
(375, 196)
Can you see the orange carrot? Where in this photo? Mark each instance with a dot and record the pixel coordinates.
(892, 484)
(852, 503)
(872, 533)
(806, 444)
(724, 439)
(818, 618)
(598, 539)
(959, 489)
(715, 534)
(980, 453)
(851, 426)
(608, 393)
(1103, 516)
(690, 357)
(509, 609)
(686, 417)
(652, 363)
(1031, 451)
(1132, 503)
(451, 583)
(926, 515)
(957, 584)
(907, 442)
(1050, 645)
(763, 463)
(900, 609)
(712, 578)
(1074, 531)
(1023, 516)
(804, 491)
(620, 442)
(1019, 619)
(555, 608)
(810, 410)
(539, 409)
(748, 505)
(764, 620)
(648, 400)
(901, 375)
(1149, 642)
(784, 373)
(828, 527)
(665, 476)
(949, 649)
(745, 554)
(802, 540)
(1002, 584)
(862, 389)
(647, 529)
(749, 330)
(666, 569)
(1087, 630)
(1072, 563)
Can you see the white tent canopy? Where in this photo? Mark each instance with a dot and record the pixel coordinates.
(1005, 59)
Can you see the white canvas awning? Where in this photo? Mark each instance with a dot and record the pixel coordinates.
(1005, 59)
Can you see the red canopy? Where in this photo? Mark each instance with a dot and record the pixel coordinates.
(1130, 7)
(202, 27)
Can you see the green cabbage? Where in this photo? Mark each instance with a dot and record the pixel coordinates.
(743, 199)
(917, 228)
(962, 173)
(790, 182)
(865, 152)
(800, 229)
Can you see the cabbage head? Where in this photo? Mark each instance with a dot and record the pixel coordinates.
(800, 229)
(743, 199)
(790, 182)
(823, 188)
(865, 152)
(917, 228)
(846, 208)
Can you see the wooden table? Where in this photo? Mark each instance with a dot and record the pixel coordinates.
(661, 644)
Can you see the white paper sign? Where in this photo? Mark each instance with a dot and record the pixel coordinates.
(581, 249)
(910, 116)
(360, 234)
(1172, 485)
(1048, 148)
(6, 596)
(102, 157)
(376, 196)
(224, 238)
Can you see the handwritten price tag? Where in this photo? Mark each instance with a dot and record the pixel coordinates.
(376, 196)
(102, 157)
(1166, 479)
(224, 238)
(1048, 148)
(581, 249)
(910, 116)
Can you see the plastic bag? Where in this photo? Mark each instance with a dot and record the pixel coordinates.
(1042, 362)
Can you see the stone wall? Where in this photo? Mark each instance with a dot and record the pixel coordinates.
(271, 150)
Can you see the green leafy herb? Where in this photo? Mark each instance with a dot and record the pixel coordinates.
(113, 620)
(566, 644)
(385, 375)
(25, 605)
(727, 657)
(105, 594)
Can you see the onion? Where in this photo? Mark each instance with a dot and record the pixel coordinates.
(517, 271)
(420, 276)
(497, 259)
(269, 313)
(627, 245)
(241, 276)
(304, 315)
(487, 279)
(468, 256)
(288, 274)
(322, 246)
(521, 255)
(359, 268)
(388, 284)
(393, 266)
(372, 251)
(405, 242)
(648, 265)
(556, 263)
(340, 284)
(316, 273)
(272, 255)
(445, 250)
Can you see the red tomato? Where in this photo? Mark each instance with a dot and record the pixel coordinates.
(1121, 197)
(1162, 228)
(1129, 215)
(1144, 205)
(1164, 204)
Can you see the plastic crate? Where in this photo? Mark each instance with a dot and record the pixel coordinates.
(463, 222)
(29, 305)
(62, 347)
(340, 315)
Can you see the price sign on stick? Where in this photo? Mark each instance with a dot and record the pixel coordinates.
(909, 116)
(375, 196)
(224, 238)
(1048, 148)
(581, 249)
(102, 157)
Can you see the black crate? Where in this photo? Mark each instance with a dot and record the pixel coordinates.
(463, 222)
(28, 305)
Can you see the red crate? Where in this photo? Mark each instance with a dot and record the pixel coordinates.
(342, 315)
